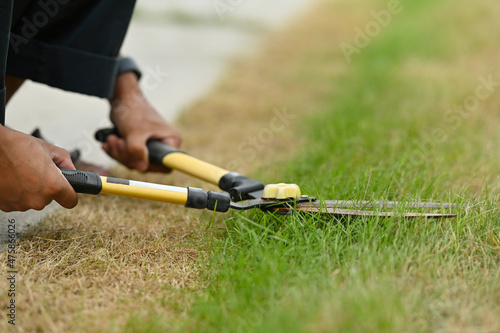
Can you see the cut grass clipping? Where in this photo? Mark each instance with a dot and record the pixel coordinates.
(409, 118)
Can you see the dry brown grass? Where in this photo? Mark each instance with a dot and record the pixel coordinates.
(101, 259)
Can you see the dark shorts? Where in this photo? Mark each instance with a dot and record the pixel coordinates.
(67, 44)
(5, 16)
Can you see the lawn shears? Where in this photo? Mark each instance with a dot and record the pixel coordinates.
(240, 192)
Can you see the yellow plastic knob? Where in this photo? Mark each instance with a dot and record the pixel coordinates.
(281, 191)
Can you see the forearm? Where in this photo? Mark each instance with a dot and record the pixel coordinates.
(126, 85)
(132, 112)
(127, 81)
(128, 92)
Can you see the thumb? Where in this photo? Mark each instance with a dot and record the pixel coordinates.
(59, 156)
(67, 196)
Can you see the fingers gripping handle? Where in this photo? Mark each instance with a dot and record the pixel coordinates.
(82, 181)
(157, 150)
(161, 153)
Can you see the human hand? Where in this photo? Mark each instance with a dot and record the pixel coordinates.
(31, 178)
(137, 121)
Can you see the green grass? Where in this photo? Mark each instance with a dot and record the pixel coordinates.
(373, 141)
(310, 273)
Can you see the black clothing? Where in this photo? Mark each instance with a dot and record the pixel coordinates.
(5, 19)
(68, 44)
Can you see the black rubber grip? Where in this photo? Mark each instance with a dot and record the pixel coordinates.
(83, 182)
(102, 134)
(157, 149)
(199, 199)
(239, 186)
(220, 202)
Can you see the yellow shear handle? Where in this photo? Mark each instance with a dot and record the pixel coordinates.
(142, 190)
(172, 158)
(93, 183)
(238, 186)
(189, 197)
(194, 167)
